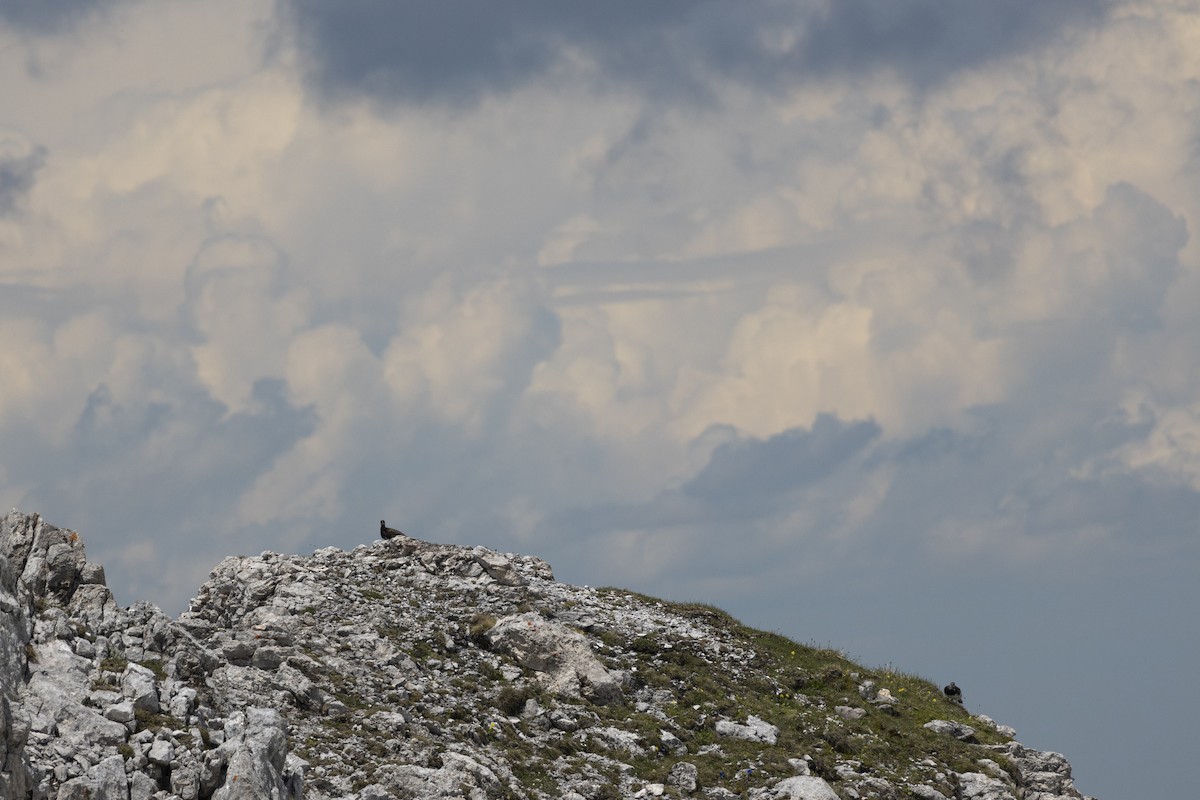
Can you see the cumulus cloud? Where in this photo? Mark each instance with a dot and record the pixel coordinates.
(620, 275)
(238, 302)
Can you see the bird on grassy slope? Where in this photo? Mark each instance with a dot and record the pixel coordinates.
(386, 532)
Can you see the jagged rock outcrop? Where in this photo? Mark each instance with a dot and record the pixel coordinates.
(405, 669)
(96, 699)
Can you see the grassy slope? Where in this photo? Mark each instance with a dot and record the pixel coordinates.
(794, 687)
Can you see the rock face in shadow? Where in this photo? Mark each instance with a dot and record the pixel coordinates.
(407, 669)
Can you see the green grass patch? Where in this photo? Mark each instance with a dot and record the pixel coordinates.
(114, 664)
(157, 667)
(477, 629)
(150, 721)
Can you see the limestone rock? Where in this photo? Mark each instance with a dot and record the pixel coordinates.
(162, 751)
(977, 786)
(1045, 775)
(672, 743)
(411, 669)
(140, 686)
(79, 726)
(448, 780)
(755, 730)
(958, 730)
(120, 712)
(141, 786)
(561, 654)
(498, 567)
(803, 787)
(110, 780)
(255, 756)
(683, 777)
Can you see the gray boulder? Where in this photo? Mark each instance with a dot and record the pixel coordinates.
(499, 568)
(81, 788)
(1044, 774)
(803, 787)
(755, 730)
(254, 757)
(161, 752)
(964, 733)
(683, 776)
(110, 780)
(141, 786)
(559, 653)
(457, 773)
(80, 727)
(120, 712)
(139, 685)
(977, 786)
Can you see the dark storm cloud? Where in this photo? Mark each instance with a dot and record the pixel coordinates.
(17, 175)
(994, 490)
(1032, 490)
(923, 40)
(40, 17)
(213, 455)
(753, 480)
(754, 472)
(457, 52)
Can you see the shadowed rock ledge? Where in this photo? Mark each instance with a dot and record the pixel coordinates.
(405, 669)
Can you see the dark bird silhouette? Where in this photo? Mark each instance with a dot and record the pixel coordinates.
(386, 532)
(953, 693)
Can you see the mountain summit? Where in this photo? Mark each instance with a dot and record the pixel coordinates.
(406, 669)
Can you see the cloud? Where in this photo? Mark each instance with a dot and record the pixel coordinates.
(244, 313)
(50, 18)
(607, 288)
(113, 423)
(925, 41)
(19, 165)
(839, 502)
(822, 312)
(671, 51)
(758, 474)
(457, 54)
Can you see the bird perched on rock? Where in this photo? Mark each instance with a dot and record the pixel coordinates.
(953, 693)
(386, 532)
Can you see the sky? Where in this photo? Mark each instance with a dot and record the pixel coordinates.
(874, 322)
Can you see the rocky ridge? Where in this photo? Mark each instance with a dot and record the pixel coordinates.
(406, 669)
